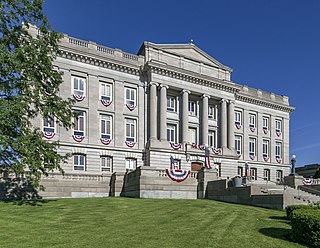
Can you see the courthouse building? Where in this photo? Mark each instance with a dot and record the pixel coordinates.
(166, 105)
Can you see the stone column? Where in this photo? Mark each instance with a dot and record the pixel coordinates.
(204, 120)
(231, 125)
(163, 112)
(223, 123)
(153, 111)
(185, 116)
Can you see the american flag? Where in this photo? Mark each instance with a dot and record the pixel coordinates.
(207, 158)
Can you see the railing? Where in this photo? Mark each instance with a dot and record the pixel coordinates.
(129, 56)
(105, 50)
(76, 177)
(78, 42)
(163, 173)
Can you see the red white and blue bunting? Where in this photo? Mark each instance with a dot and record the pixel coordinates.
(106, 103)
(48, 135)
(131, 107)
(178, 175)
(238, 126)
(252, 129)
(278, 133)
(207, 158)
(265, 158)
(278, 160)
(130, 144)
(252, 157)
(265, 131)
(78, 138)
(217, 151)
(105, 141)
(307, 181)
(78, 98)
(196, 146)
(175, 146)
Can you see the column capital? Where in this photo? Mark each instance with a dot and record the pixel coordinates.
(153, 83)
(232, 101)
(205, 96)
(223, 100)
(185, 91)
(164, 86)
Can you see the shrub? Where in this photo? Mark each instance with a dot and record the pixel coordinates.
(306, 226)
(291, 208)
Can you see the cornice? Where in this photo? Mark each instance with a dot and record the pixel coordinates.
(101, 62)
(187, 76)
(273, 105)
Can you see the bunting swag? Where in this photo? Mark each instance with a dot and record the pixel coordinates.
(105, 141)
(265, 131)
(238, 126)
(178, 175)
(266, 159)
(216, 151)
(78, 98)
(130, 144)
(106, 103)
(207, 158)
(78, 138)
(48, 135)
(252, 157)
(131, 107)
(175, 146)
(307, 181)
(278, 160)
(252, 129)
(278, 133)
(196, 146)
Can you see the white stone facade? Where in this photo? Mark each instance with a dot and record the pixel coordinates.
(175, 92)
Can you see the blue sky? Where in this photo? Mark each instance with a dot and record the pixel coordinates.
(273, 45)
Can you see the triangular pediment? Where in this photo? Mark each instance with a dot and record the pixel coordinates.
(189, 51)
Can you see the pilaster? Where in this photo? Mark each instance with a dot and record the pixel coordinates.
(185, 115)
(163, 112)
(204, 119)
(153, 110)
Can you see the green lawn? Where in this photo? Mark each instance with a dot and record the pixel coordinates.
(125, 222)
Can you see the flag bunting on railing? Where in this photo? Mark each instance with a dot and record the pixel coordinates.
(216, 150)
(106, 103)
(175, 146)
(130, 144)
(131, 107)
(105, 141)
(48, 135)
(78, 138)
(78, 98)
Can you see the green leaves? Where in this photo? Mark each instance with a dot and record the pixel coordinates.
(29, 88)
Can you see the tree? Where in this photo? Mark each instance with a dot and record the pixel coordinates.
(317, 174)
(29, 88)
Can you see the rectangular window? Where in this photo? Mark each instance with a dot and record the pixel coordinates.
(131, 164)
(130, 96)
(237, 117)
(278, 149)
(265, 123)
(240, 171)
(278, 125)
(171, 133)
(265, 148)
(266, 174)
(193, 135)
(48, 123)
(79, 121)
(253, 173)
(252, 146)
(78, 85)
(252, 120)
(211, 138)
(79, 162)
(130, 130)
(106, 126)
(238, 144)
(192, 108)
(171, 104)
(212, 112)
(279, 175)
(106, 91)
(106, 164)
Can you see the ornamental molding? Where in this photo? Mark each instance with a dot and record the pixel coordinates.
(198, 79)
(263, 103)
(91, 60)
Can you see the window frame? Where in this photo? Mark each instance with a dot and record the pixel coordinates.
(252, 144)
(193, 139)
(132, 100)
(77, 123)
(238, 117)
(48, 125)
(266, 145)
(106, 164)
(266, 174)
(212, 140)
(104, 133)
(212, 112)
(278, 149)
(128, 162)
(75, 167)
(252, 120)
(238, 142)
(265, 127)
(78, 91)
(104, 96)
(171, 100)
(278, 125)
(132, 137)
(172, 129)
(192, 104)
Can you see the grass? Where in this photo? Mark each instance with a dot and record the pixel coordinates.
(125, 222)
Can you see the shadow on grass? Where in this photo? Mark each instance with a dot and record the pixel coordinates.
(283, 218)
(34, 203)
(278, 233)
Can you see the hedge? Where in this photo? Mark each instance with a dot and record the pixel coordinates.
(290, 209)
(306, 226)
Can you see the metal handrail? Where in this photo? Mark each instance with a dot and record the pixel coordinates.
(314, 190)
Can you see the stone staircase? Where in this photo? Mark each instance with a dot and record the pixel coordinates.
(296, 196)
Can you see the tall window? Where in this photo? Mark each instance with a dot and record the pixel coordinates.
(211, 138)
(130, 130)
(238, 144)
(106, 91)
(266, 174)
(193, 135)
(106, 164)
(48, 123)
(130, 96)
(279, 175)
(252, 146)
(278, 149)
(211, 112)
(131, 164)
(79, 162)
(78, 85)
(171, 104)
(192, 108)
(278, 125)
(253, 173)
(237, 117)
(252, 120)
(265, 123)
(79, 123)
(106, 126)
(265, 148)
(240, 171)
(171, 133)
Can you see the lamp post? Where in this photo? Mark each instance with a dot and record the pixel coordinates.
(293, 163)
